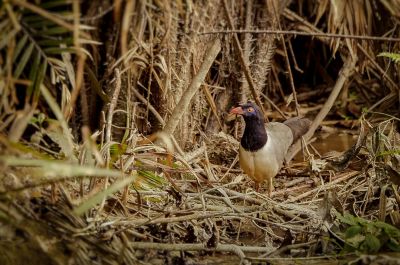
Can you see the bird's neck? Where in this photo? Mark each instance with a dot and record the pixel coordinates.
(254, 136)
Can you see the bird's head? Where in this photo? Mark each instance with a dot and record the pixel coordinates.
(249, 111)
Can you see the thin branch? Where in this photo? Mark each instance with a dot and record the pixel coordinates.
(183, 104)
(330, 185)
(239, 250)
(274, 106)
(302, 33)
(151, 108)
(296, 103)
(135, 221)
(293, 246)
(108, 134)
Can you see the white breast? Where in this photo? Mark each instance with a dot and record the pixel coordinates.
(265, 163)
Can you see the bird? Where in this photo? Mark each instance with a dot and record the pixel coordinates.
(263, 146)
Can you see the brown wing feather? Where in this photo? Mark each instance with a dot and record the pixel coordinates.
(299, 126)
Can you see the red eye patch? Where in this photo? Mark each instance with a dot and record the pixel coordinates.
(250, 109)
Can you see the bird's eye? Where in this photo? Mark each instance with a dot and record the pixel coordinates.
(250, 109)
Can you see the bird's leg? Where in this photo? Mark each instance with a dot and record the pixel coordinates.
(270, 187)
(256, 186)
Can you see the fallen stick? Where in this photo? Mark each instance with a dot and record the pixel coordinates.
(324, 187)
(238, 250)
(187, 96)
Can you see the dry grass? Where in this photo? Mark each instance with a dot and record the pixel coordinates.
(209, 213)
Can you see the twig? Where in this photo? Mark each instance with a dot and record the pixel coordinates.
(291, 190)
(158, 117)
(151, 108)
(391, 96)
(296, 66)
(167, 220)
(296, 103)
(99, 15)
(111, 109)
(245, 66)
(212, 177)
(324, 187)
(113, 104)
(213, 106)
(180, 109)
(274, 106)
(324, 259)
(346, 71)
(238, 250)
(289, 247)
(290, 77)
(302, 33)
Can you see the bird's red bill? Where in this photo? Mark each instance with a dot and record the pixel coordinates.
(237, 111)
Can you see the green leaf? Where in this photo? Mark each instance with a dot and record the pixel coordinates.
(352, 231)
(56, 43)
(59, 115)
(371, 244)
(371, 228)
(54, 50)
(20, 46)
(98, 197)
(23, 61)
(347, 218)
(52, 4)
(356, 240)
(393, 245)
(39, 80)
(40, 25)
(34, 69)
(54, 31)
(6, 39)
(31, 18)
(390, 230)
(151, 178)
(395, 57)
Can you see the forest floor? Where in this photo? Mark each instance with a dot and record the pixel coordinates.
(208, 207)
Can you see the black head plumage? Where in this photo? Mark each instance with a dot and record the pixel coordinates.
(255, 135)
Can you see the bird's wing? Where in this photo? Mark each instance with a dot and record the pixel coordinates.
(280, 138)
(298, 126)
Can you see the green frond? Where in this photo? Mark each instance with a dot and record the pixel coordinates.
(151, 179)
(23, 60)
(40, 43)
(395, 57)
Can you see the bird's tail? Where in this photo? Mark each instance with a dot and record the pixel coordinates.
(298, 126)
